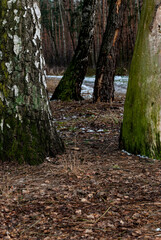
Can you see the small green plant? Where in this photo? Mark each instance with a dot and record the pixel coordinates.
(116, 166)
(72, 128)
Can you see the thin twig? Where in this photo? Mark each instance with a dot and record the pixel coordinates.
(103, 214)
(30, 226)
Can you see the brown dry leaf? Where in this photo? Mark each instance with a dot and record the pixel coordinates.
(72, 193)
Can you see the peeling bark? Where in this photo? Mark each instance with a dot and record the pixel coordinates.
(118, 4)
(106, 65)
(27, 133)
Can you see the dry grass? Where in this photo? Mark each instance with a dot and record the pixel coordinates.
(92, 191)
(111, 118)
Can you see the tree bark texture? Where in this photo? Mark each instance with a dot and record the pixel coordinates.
(106, 65)
(27, 133)
(141, 130)
(70, 85)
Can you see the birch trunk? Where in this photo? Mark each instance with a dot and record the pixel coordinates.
(27, 133)
(141, 130)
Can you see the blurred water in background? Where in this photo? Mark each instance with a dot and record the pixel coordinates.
(120, 84)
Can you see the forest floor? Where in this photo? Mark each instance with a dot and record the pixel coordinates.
(92, 191)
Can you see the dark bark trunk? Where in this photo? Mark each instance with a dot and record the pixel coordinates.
(70, 85)
(106, 65)
(27, 133)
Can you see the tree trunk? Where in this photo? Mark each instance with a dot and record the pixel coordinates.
(70, 85)
(141, 130)
(106, 65)
(63, 31)
(27, 133)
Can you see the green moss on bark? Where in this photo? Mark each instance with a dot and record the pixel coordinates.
(141, 130)
(69, 87)
(27, 133)
(24, 146)
(66, 89)
(26, 140)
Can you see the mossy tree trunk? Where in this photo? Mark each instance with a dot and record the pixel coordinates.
(141, 130)
(70, 85)
(106, 64)
(27, 133)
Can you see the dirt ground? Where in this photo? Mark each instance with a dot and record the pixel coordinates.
(92, 191)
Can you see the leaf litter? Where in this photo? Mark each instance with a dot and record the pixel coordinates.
(92, 191)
